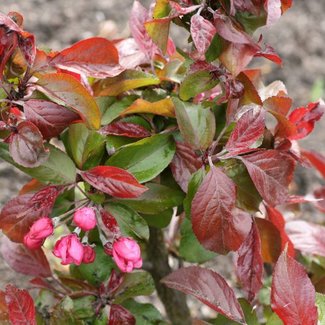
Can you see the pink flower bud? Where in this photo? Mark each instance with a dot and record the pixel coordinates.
(69, 249)
(85, 218)
(39, 231)
(89, 255)
(127, 254)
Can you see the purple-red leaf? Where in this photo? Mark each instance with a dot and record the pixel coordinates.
(214, 223)
(249, 128)
(292, 293)
(202, 32)
(119, 315)
(26, 145)
(126, 129)
(23, 260)
(271, 171)
(95, 57)
(250, 263)
(50, 118)
(184, 164)
(316, 159)
(114, 181)
(20, 306)
(209, 287)
(307, 237)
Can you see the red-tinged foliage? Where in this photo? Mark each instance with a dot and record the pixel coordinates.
(178, 10)
(307, 237)
(184, 164)
(26, 145)
(249, 129)
(316, 159)
(273, 9)
(110, 222)
(278, 104)
(23, 260)
(304, 118)
(139, 15)
(114, 181)
(214, 223)
(20, 306)
(270, 240)
(202, 32)
(271, 171)
(126, 129)
(19, 214)
(95, 57)
(4, 313)
(250, 263)
(278, 221)
(320, 194)
(50, 118)
(209, 287)
(119, 315)
(292, 293)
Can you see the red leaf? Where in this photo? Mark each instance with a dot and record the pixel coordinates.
(95, 57)
(292, 293)
(320, 194)
(184, 164)
(27, 46)
(178, 10)
(249, 128)
(250, 263)
(307, 237)
(119, 316)
(316, 159)
(271, 171)
(278, 221)
(20, 305)
(21, 212)
(202, 32)
(50, 118)
(26, 146)
(24, 260)
(269, 53)
(126, 129)
(304, 118)
(138, 17)
(279, 104)
(114, 181)
(4, 316)
(214, 224)
(209, 287)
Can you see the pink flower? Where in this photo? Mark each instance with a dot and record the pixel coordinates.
(69, 249)
(39, 231)
(89, 255)
(85, 218)
(127, 254)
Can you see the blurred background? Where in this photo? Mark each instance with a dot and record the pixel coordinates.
(299, 38)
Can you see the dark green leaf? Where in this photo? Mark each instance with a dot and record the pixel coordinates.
(160, 220)
(138, 283)
(83, 307)
(190, 249)
(215, 48)
(146, 158)
(197, 124)
(157, 199)
(129, 221)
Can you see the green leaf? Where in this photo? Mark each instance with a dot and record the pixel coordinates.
(113, 111)
(96, 272)
(146, 158)
(193, 185)
(83, 307)
(320, 303)
(215, 48)
(157, 199)
(196, 83)
(145, 314)
(127, 80)
(137, 283)
(275, 320)
(49, 172)
(160, 220)
(249, 312)
(87, 147)
(248, 197)
(197, 124)
(63, 314)
(190, 249)
(129, 221)
(114, 142)
(104, 103)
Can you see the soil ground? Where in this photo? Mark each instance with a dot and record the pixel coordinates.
(298, 37)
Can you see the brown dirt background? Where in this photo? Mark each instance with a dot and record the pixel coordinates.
(298, 37)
